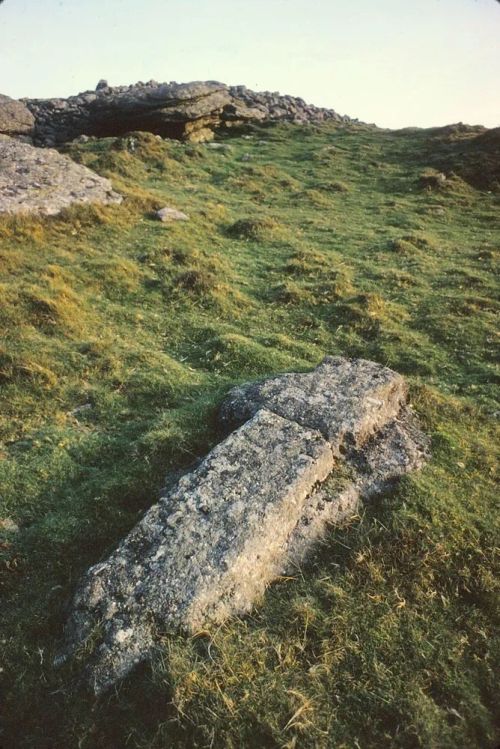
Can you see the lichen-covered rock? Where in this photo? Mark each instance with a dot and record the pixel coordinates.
(15, 117)
(346, 400)
(35, 180)
(188, 111)
(398, 448)
(206, 550)
(250, 511)
(169, 109)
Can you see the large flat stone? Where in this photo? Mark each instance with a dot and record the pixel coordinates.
(252, 510)
(35, 180)
(346, 400)
(206, 550)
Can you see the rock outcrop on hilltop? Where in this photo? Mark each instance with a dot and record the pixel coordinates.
(36, 180)
(471, 152)
(309, 448)
(15, 117)
(188, 111)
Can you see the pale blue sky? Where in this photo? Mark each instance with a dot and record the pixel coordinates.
(393, 62)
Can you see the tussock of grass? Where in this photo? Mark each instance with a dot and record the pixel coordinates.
(184, 274)
(56, 308)
(326, 155)
(289, 292)
(318, 280)
(403, 247)
(335, 186)
(431, 179)
(368, 314)
(256, 229)
(114, 276)
(119, 337)
(22, 228)
(305, 261)
(253, 187)
(16, 367)
(316, 198)
(263, 181)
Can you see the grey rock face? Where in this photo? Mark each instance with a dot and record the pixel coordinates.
(207, 549)
(249, 512)
(187, 111)
(15, 117)
(34, 180)
(398, 448)
(346, 401)
(169, 109)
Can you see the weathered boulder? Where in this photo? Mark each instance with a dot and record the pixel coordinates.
(35, 180)
(345, 400)
(206, 549)
(170, 110)
(249, 512)
(15, 117)
(188, 111)
(168, 214)
(398, 448)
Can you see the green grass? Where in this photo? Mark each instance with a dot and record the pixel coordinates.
(120, 336)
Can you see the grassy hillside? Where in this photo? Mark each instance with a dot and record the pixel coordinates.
(120, 336)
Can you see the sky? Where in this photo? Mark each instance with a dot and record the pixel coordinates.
(392, 62)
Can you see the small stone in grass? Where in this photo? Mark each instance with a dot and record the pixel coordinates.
(170, 214)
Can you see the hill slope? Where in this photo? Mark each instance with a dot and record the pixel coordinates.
(120, 336)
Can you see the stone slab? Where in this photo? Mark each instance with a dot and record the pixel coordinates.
(346, 400)
(174, 110)
(205, 551)
(252, 510)
(397, 449)
(35, 180)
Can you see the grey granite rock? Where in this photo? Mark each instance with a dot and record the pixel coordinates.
(35, 180)
(398, 448)
(15, 117)
(169, 109)
(168, 214)
(188, 111)
(250, 511)
(206, 550)
(346, 400)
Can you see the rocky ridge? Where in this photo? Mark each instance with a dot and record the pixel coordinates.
(310, 448)
(189, 111)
